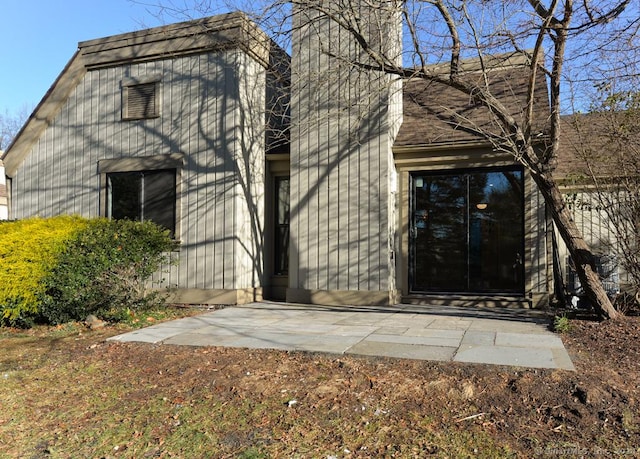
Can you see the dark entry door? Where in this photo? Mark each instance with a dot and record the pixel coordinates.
(467, 231)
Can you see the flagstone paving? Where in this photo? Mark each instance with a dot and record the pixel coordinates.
(474, 335)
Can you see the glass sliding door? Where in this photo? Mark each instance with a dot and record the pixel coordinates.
(439, 233)
(467, 231)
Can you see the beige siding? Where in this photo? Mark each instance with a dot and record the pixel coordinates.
(201, 110)
(4, 196)
(341, 167)
(249, 160)
(538, 268)
(592, 221)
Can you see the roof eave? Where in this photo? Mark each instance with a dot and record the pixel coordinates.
(440, 146)
(231, 30)
(44, 113)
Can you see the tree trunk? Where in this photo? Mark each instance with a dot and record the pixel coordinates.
(581, 254)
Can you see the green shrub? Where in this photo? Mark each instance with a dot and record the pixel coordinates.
(29, 250)
(64, 268)
(104, 270)
(561, 324)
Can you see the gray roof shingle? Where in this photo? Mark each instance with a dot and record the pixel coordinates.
(605, 144)
(436, 114)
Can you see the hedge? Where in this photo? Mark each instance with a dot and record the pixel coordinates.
(29, 250)
(63, 268)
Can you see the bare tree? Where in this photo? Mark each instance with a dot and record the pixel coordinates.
(441, 36)
(606, 142)
(11, 123)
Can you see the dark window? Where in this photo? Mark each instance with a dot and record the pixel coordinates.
(143, 196)
(467, 231)
(282, 226)
(141, 101)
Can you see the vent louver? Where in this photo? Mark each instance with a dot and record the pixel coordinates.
(142, 101)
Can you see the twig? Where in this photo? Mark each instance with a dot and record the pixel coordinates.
(473, 416)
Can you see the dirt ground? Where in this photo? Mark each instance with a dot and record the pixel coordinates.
(310, 405)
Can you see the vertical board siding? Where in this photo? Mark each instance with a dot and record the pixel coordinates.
(250, 163)
(227, 155)
(340, 165)
(536, 230)
(593, 223)
(198, 117)
(337, 267)
(299, 101)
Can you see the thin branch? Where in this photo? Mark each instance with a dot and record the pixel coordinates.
(455, 37)
(414, 38)
(535, 66)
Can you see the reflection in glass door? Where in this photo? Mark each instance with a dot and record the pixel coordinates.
(467, 231)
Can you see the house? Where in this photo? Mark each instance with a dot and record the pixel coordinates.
(347, 188)
(164, 124)
(4, 197)
(596, 147)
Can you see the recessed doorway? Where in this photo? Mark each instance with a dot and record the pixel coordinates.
(466, 231)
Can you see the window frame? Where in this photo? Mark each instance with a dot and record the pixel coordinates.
(148, 205)
(173, 161)
(471, 288)
(281, 248)
(128, 83)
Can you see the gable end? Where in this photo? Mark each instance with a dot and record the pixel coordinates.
(232, 30)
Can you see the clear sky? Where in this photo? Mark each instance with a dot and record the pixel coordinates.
(38, 37)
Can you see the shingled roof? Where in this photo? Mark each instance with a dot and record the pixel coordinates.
(433, 112)
(604, 144)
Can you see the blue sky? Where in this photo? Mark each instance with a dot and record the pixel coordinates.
(38, 37)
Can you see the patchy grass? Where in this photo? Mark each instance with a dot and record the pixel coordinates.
(68, 393)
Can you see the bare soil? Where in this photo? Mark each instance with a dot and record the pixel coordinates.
(76, 395)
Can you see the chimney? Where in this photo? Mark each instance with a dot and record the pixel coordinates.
(343, 178)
